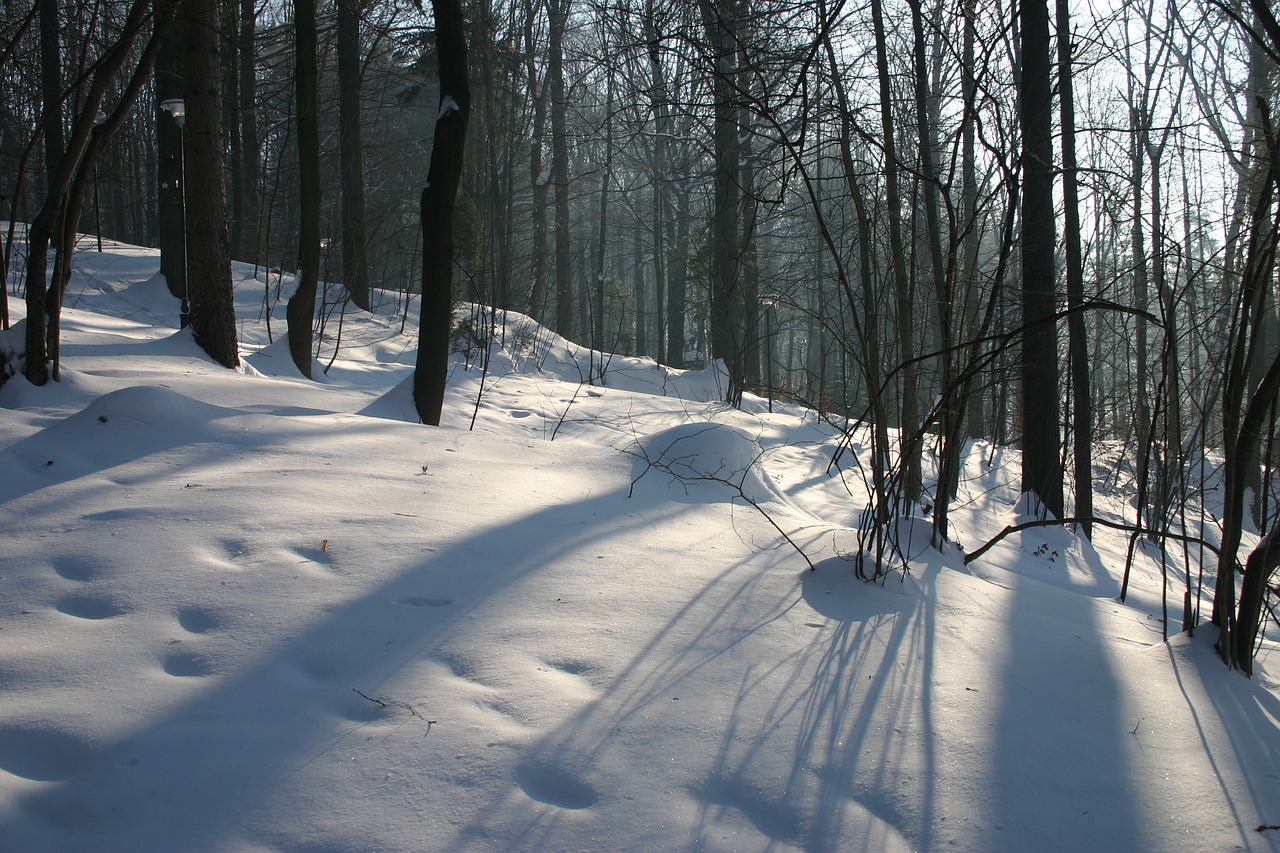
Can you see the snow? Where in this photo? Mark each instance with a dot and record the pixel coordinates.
(241, 611)
(447, 105)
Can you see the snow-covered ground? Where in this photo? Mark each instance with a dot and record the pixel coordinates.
(241, 611)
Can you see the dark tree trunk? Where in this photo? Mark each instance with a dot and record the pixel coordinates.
(908, 427)
(169, 85)
(676, 280)
(1041, 464)
(247, 129)
(559, 13)
(229, 85)
(1081, 396)
(213, 318)
(438, 198)
(355, 265)
(537, 175)
(302, 305)
(51, 86)
(728, 317)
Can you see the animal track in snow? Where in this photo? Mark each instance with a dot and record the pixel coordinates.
(89, 607)
(572, 667)
(198, 620)
(555, 787)
(75, 568)
(187, 665)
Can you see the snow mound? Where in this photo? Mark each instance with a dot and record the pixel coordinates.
(114, 429)
(711, 453)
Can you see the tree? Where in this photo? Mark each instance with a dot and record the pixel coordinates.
(301, 310)
(908, 426)
(728, 314)
(558, 12)
(59, 212)
(355, 267)
(213, 318)
(170, 85)
(1078, 346)
(249, 196)
(432, 368)
(1041, 465)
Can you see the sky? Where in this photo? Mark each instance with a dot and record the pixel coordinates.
(243, 611)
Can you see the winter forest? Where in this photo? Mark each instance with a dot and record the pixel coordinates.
(935, 226)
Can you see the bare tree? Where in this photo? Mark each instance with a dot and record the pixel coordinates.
(213, 317)
(355, 267)
(1041, 465)
(438, 199)
(300, 312)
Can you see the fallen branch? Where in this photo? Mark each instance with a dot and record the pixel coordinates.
(1101, 522)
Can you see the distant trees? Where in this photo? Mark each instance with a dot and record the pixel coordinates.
(70, 166)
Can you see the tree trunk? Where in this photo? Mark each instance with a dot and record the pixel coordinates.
(355, 266)
(213, 318)
(727, 309)
(909, 425)
(559, 13)
(438, 197)
(249, 248)
(302, 305)
(1081, 397)
(1041, 464)
(51, 87)
(170, 85)
(676, 280)
(537, 174)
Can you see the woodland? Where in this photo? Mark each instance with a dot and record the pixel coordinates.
(1050, 226)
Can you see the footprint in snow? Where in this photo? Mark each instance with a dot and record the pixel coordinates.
(89, 607)
(198, 620)
(74, 568)
(187, 665)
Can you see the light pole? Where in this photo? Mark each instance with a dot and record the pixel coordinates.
(768, 302)
(177, 108)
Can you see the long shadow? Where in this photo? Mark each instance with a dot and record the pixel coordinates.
(241, 740)
(1249, 715)
(1060, 778)
(810, 739)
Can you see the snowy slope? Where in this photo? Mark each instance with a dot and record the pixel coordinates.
(240, 611)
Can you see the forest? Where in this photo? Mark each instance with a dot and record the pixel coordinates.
(1051, 226)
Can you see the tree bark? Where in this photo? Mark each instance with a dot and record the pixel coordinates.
(355, 265)
(728, 314)
(249, 248)
(1078, 343)
(431, 371)
(301, 309)
(169, 85)
(213, 318)
(537, 174)
(909, 425)
(559, 14)
(1041, 464)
